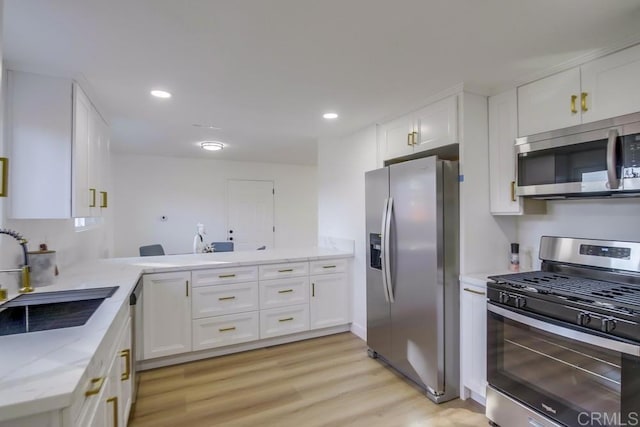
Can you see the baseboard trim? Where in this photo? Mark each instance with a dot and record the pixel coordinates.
(144, 365)
(359, 331)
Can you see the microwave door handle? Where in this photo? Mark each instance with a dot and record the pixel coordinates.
(612, 161)
(387, 237)
(383, 249)
(621, 347)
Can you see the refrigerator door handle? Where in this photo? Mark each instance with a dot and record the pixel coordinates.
(383, 250)
(387, 258)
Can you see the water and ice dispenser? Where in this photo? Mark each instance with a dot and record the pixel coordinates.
(375, 246)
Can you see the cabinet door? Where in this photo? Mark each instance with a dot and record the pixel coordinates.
(329, 303)
(503, 129)
(94, 162)
(123, 372)
(546, 104)
(437, 124)
(105, 166)
(612, 85)
(395, 139)
(166, 314)
(82, 197)
(473, 336)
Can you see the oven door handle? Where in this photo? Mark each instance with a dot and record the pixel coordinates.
(582, 337)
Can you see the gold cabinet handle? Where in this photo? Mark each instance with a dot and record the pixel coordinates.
(103, 197)
(226, 276)
(96, 385)
(474, 292)
(93, 198)
(409, 139)
(285, 291)
(513, 191)
(328, 266)
(583, 101)
(286, 319)
(233, 328)
(574, 110)
(414, 138)
(127, 360)
(313, 289)
(114, 400)
(226, 298)
(186, 287)
(286, 270)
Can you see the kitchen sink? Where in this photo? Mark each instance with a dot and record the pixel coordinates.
(51, 310)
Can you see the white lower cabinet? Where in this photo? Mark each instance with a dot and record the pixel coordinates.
(284, 292)
(166, 313)
(473, 341)
(224, 299)
(219, 331)
(282, 321)
(329, 303)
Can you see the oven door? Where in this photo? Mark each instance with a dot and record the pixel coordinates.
(572, 377)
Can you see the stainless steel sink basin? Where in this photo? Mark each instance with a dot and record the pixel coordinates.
(51, 310)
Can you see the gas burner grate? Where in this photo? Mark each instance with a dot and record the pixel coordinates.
(574, 286)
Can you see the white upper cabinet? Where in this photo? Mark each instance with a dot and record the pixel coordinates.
(549, 103)
(430, 127)
(612, 85)
(54, 140)
(599, 89)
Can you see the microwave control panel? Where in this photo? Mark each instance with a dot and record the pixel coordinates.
(631, 156)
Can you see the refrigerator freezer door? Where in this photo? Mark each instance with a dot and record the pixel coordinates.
(416, 272)
(378, 310)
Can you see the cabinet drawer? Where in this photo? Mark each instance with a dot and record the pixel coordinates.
(224, 299)
(328, 266)
(283, 321)
(224, 275)
(284, 292)
(225, 330)
(277, 271)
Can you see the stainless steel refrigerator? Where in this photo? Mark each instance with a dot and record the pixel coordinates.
(412, 272)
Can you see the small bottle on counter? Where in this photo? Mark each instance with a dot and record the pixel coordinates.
(514, 258)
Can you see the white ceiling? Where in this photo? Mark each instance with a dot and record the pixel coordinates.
(265, 71)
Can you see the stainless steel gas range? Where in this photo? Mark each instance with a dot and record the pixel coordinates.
(564, 342)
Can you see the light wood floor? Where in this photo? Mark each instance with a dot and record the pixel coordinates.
(328, 381)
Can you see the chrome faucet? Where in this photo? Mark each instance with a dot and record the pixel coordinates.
(25, 270)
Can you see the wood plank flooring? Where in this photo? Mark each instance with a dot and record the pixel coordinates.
(328, 381)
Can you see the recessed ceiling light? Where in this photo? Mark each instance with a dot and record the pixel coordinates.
(211, 145)
(212, 127)
(160, 93)
(330, 115)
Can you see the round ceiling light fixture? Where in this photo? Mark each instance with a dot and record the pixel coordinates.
(330, 116)
(211, 145)
(160, 93)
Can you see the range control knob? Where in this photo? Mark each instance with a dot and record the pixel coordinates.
(520, 302)
(583, 318)
(608, 324)
(504, 297)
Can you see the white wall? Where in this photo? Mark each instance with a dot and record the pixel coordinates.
(188, 191)
(610, 219)
(342, 163)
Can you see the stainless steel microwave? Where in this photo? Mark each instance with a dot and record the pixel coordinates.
(599, 159)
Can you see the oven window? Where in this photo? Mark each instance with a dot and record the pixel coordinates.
(571, 163)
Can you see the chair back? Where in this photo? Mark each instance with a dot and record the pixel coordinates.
(151, 250)
(222, 246)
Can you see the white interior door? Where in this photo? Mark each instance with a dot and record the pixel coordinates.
(250, 214)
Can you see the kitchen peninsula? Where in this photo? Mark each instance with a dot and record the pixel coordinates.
(61, 377)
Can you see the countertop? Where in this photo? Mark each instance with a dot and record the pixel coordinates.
(481, 279)
(39, 371)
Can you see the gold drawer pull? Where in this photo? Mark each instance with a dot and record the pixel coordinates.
(93, 198)
(286, 319)
(313, 289)
(513, 191)
(474, 292)
(409, 135)
(286, 270)
(583, 101)
(285, 291)
(225, 298)
(226, 276)
(103, 196)
(127, 358)
(114, 400)
(233, 328)
(328, 266)
(97, 385)
(574, 110)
